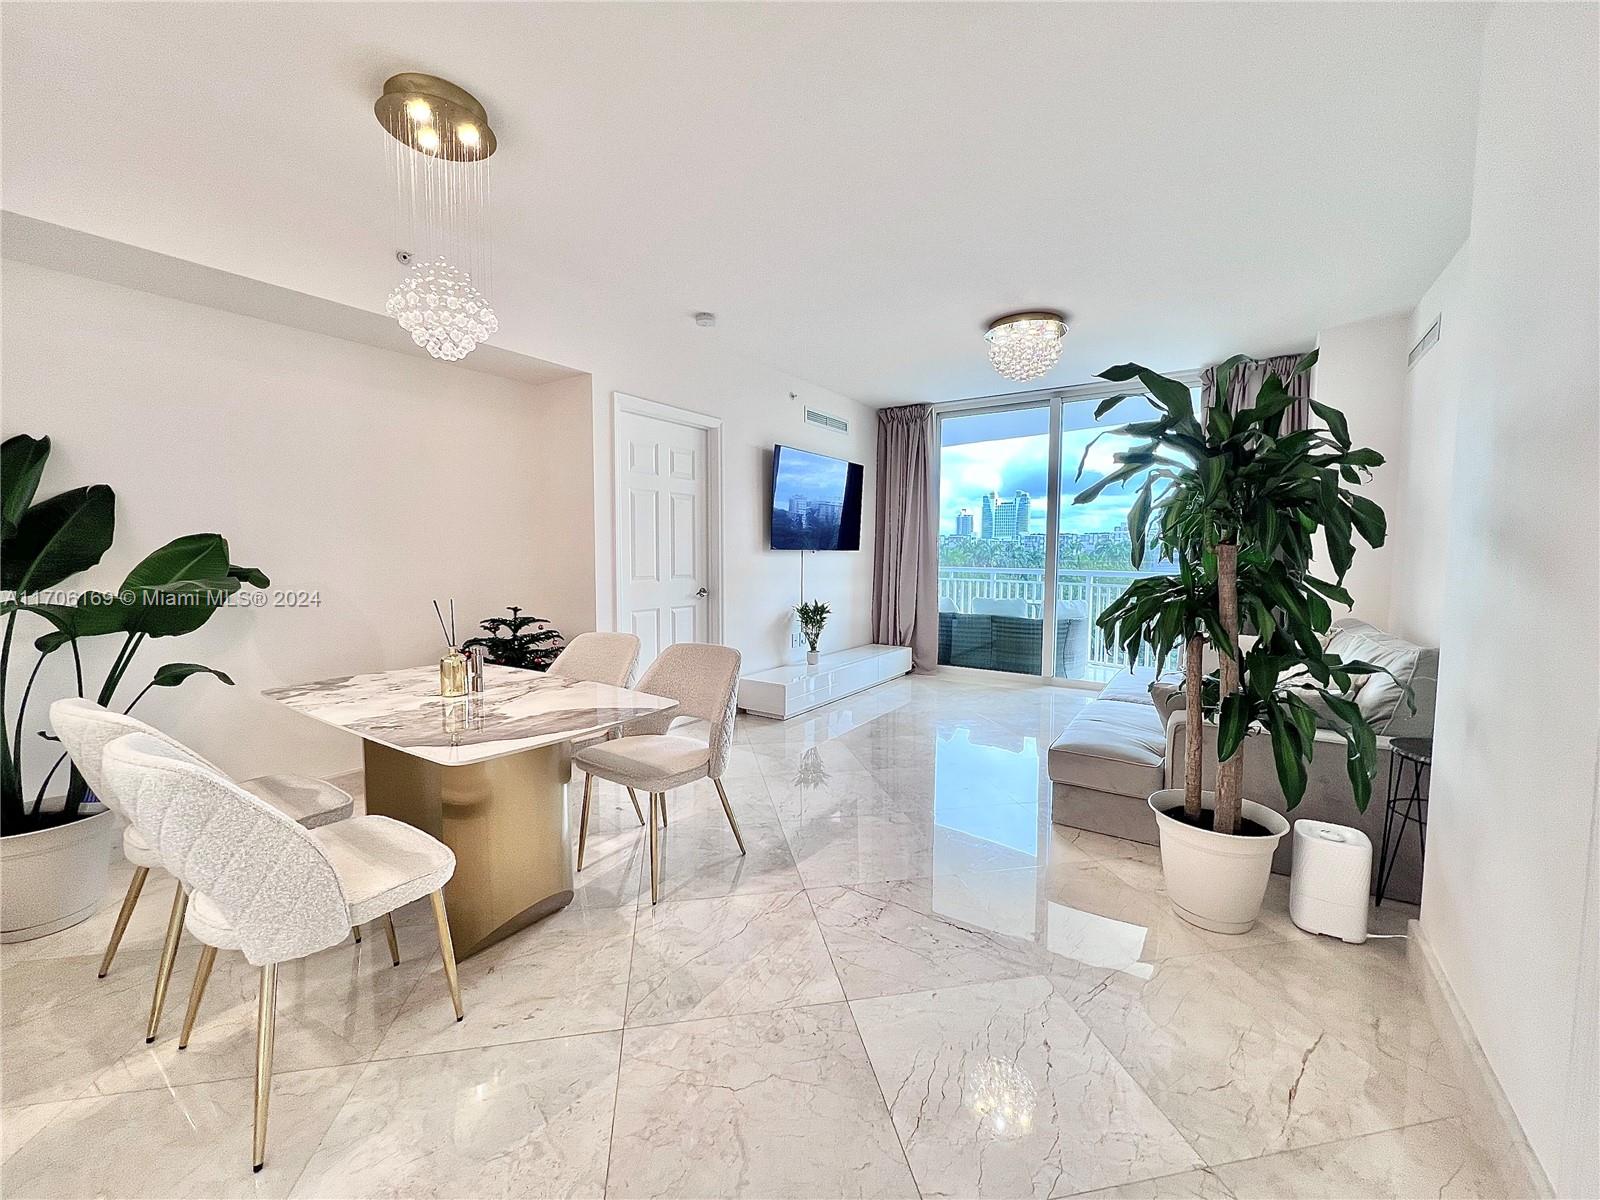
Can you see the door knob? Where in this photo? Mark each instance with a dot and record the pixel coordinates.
(702, 592)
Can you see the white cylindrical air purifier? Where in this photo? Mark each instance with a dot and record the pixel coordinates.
(1330, 879)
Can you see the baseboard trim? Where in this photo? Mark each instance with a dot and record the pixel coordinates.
(1486, 1103)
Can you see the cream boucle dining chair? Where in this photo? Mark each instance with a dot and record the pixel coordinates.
(599, 658)
(703, 680)
(86, 729)
(261, 884)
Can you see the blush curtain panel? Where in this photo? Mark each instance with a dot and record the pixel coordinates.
(1247, 379)
(905, 577)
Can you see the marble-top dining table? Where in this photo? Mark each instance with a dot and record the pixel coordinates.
(485, 773)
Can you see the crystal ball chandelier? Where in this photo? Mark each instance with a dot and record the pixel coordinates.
(439, 144)
(441, 310)
(1023, 346)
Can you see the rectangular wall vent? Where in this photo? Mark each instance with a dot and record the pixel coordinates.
(827, 421)
(1425, 343)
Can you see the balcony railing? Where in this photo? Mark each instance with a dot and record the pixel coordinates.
(1018, 593)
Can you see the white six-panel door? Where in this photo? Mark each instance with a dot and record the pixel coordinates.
(663, 526)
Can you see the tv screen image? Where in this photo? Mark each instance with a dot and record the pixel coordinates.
(816, 501)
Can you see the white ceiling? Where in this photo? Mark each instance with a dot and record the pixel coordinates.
(855, 190)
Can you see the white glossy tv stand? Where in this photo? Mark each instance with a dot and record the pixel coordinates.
(784, 692)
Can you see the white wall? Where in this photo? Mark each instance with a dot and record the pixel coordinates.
(757, 410)
(1360, 371)
(1420, 519)
(374, 479)
(1508, 894)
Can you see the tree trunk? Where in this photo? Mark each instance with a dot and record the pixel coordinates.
(1194, 732)
(1230, 774)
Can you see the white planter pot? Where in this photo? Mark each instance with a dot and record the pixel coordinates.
(1216, 880)
(811, 658)
(53, 878)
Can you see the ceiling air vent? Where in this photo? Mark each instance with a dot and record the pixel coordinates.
(827, 421)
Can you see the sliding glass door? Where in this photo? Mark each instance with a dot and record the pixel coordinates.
(994, 473)
(1023, 570)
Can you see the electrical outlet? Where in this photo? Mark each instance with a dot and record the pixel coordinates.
(796, 640)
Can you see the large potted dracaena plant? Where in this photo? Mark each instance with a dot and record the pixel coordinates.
(1236, 503)
(55, 848)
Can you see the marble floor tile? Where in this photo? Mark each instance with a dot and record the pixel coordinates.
(1000, 1089)
(916, 934)
(1277, 1046)
(700, 858)
(777, 1104)
(1437, 1159)
(567, 974)
(704, 958)
(525, 1120)
(17, 1125)
(779, 761)
(61, 1052)
(333, 1008)
(189, 1141)
(895, 843)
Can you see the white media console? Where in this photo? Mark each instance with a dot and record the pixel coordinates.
(784, 692)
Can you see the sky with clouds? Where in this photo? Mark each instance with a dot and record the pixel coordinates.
(1010, 452)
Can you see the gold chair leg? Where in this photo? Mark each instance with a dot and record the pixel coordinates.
(135, 886)
(266, 1019)
(655, 848)
(394, 942)
(663, 799)
(583, 821)
(637, 811)
(202, 975)
(355, 932)
(447, 951)
(169, 953)
(733, 823)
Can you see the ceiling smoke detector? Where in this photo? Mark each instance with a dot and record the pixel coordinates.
(705, 319)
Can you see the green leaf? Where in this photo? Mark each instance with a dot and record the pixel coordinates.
(173, 674)
(22, 460)
(57, 538)
(1334, 420)
(94, 614)
(175, 589)
(1369, 520)
(1138, 518)
(250, 575)
(1286, 757)
(1109, 402)
(1232, 726)
(1305, 364)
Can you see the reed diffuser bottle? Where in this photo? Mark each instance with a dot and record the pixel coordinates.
(453, 666)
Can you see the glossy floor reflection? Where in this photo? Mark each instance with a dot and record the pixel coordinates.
(913, 984)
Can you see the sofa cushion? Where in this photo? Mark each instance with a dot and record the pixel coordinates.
(1112, 747)
(1380, 697)
(1130, 687)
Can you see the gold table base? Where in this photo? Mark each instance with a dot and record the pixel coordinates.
(506, 821)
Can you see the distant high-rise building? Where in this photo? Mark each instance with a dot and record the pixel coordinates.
(1023, 501)
(986, 514)
(1005, 520)
(964, 523)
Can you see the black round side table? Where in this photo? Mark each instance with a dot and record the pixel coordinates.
(1417, 753)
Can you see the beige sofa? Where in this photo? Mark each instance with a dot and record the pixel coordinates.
(1122, 747)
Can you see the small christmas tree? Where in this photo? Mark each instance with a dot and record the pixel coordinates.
(531, 643)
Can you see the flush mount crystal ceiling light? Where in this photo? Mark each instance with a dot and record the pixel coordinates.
(439, 144)
(1023, 346)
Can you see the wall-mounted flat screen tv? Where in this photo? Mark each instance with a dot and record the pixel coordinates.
(816, 501)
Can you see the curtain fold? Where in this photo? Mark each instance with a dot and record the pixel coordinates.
(905, 568)
(1247, 379)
